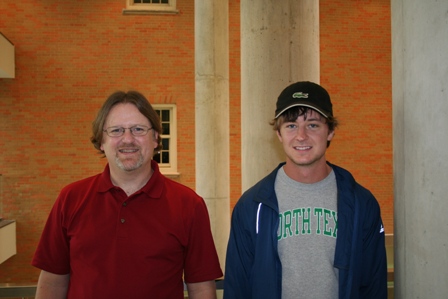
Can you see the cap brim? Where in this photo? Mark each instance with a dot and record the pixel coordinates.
(303, 105)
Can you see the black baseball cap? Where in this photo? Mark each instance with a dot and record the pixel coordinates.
(307, 94)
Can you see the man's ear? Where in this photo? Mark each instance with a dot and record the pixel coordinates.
(156, 139)
(279, 135)
(330, 135)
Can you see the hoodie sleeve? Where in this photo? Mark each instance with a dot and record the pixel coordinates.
(374, 274)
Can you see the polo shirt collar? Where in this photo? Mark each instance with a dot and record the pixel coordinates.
(153, 188)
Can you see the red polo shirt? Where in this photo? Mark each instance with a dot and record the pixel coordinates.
(115, 246)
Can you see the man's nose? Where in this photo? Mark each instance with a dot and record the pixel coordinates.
(301, 133)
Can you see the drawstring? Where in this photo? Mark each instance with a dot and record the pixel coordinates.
(258, 217)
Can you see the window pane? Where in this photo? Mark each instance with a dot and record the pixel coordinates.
(156, 5)
(165, 157)
(166, 144)
(166, 128)
(165, 115)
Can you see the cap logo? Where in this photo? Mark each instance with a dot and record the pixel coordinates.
(299, 95)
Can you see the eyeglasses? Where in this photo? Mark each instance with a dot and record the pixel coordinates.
(137, 130)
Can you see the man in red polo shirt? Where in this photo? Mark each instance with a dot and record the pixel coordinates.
(128, 232)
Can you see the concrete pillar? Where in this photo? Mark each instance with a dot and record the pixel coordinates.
(279, 46)
(420, 121)
(212, 115)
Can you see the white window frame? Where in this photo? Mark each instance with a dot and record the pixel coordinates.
(170, 169)
(150, 8)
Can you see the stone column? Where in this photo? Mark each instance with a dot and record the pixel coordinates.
(279, 46)
(212, 115)
(420, 122)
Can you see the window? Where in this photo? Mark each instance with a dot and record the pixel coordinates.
(167, 157)
(150, 6)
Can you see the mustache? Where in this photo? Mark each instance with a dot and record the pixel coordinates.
(127, 145)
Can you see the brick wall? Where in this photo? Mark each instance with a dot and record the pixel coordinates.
(355, 43)
(71, 55)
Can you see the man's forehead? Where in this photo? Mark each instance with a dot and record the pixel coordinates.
(125, 113)
(313, 114)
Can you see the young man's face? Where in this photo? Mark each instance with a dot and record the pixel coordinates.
(128, 152)
(305, 139)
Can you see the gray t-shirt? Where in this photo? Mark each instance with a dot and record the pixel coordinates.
(307, 237)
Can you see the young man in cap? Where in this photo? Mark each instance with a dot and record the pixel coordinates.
(308, 229)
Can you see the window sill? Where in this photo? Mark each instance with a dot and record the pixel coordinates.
(149, 12)
(171, 175)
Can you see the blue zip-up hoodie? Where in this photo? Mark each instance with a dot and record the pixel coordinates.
(253, 268)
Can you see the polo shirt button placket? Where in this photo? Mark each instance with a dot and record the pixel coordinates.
(124, 204)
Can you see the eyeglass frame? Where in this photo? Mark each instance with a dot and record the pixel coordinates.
(131, 129)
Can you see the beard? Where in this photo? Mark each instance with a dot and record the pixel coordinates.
(129, 165)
